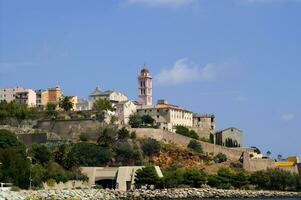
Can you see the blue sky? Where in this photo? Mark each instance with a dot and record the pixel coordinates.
(238, 59)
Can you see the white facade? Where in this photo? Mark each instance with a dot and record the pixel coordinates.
(9, 94)
(112, 96)
(124, 109)
(167, 116)
(27, 97)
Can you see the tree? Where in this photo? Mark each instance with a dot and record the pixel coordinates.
(40, 154)
(220, 157)
(51, 109)
(64, 156)
(147, 120)
(260, 179)
(9, 139)
(194, 177)
(239, 180)
(135, 120)
(91, 155)
(182, 130)
(125, 153)
(84, 137)
(14, 167)
(150, 147)
(107, 137)
(66, 103)
(123, 134)
(38, 175)
(102, 105)
(146, 176)
(195, 146)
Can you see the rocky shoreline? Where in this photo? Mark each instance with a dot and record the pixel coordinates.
(165, 194)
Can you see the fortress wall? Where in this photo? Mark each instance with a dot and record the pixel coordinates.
(71, 129)
(158, 134)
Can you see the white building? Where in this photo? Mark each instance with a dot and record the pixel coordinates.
(82, 104)
(9, 94)
(27, 97)
(124, 109)
(167, 116)
(110, 95)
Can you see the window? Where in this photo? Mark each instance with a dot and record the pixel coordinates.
(158, 116)
(158, 110)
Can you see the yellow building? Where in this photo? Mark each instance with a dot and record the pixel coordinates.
(54, 95)
(291, 161)
(74, 101)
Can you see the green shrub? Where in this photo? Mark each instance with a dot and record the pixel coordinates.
(133, 135)
(150, 147)
(84, 137)
(51, 182)
(182, 130)
(146, 176)
(15, 189)
(220, 157)
(195, 146)
(194, 177)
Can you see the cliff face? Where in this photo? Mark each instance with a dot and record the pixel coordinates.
(179, 156)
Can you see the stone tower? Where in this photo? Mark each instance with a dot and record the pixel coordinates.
(145, 87)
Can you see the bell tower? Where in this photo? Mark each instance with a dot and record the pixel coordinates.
(145, 87)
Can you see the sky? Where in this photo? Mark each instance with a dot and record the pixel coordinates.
(237, 59)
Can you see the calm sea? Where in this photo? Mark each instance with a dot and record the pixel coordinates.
(266, 199)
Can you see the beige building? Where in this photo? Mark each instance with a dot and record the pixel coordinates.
(112, 96)
(167, 116)
(230, 137)
(42, 98)
(9, 94)
(27, 97)
(123, 111)
(82, 104)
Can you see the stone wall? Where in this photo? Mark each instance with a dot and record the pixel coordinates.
(67, 186)
(71, 129)
(158, 134)
(29, 139)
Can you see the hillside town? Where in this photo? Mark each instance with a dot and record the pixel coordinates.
(190, 139)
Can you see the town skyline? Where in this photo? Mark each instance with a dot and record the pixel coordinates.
(247, 76)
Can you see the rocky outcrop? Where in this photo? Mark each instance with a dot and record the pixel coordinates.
(185, 193)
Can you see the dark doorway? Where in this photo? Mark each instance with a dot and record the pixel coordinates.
(106, 183)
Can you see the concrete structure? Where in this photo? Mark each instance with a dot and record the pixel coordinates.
(9, 94)
(230, 137)
(82, 105)
(110, 95)
(145, 87)
(123, 110)
(27, 97)
(167, 116)
(119, 178)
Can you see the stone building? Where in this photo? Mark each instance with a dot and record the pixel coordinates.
(9, 94)
(82, 105)
(230, 137)
(110, 95)
(28, 97)
(203, 125)
(167, 116)
(123, 110)
(145, 87)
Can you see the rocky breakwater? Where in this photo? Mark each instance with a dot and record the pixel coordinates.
(91, 194)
